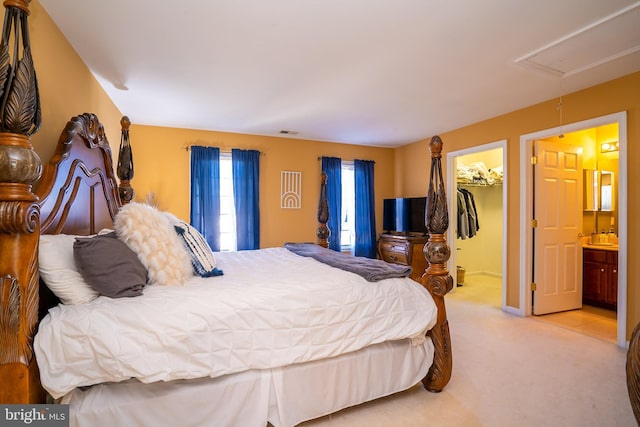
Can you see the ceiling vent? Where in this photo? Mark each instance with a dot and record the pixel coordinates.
(605, 40)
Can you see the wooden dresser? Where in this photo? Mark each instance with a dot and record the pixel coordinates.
(404, 249)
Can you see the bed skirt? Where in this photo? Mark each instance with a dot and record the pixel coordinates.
(284, 396)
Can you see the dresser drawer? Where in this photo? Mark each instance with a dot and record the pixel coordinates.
(405, 250)
(395, 252)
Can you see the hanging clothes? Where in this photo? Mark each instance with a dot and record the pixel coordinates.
(468, 223)
(463, 216)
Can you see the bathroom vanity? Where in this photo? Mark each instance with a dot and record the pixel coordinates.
(600, 276)
(600, 251)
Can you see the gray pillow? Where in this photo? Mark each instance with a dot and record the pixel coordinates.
(109, 266)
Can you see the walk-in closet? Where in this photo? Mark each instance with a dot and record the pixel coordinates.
(479, 226)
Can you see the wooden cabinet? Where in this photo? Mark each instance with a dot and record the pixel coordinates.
(600, 278)
(404, 249)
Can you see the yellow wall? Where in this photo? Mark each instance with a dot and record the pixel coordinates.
(162, 168)
(622, 94)
(67, 87)
(491, 158)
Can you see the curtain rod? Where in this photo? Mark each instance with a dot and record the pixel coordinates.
(320, 158)
(225, 151)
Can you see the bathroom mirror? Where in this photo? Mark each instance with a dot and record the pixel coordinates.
(606, 191)
(598, 190)
(591, 190)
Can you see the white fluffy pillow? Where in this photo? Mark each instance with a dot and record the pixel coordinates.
(150, 234)
(58, 269)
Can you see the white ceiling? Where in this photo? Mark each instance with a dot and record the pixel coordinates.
(373, 72)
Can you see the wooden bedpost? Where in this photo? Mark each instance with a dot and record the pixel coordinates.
(20, 167)
(323, 231)
(633, 371)
(436, 277)
(125, 163)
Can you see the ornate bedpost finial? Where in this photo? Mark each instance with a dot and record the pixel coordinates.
(125, 123)
(323, 231)
(436, 147)
(436, 277)
(125, 163)
(20, 108)
(20, 115)
(20, 167)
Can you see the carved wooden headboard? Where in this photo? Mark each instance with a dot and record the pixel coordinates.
(78, 190)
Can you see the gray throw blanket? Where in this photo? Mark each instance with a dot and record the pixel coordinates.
(372, 270)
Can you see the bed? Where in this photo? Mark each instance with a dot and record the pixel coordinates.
(286, 340)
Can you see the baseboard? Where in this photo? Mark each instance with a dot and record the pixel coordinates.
(483, 273)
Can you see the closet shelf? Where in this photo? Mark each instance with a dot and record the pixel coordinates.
(479, 184)
(478, 175)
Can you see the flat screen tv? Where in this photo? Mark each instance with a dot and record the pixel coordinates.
(404, 215)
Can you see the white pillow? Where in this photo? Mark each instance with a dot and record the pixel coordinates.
(150, 234)
(58, 269)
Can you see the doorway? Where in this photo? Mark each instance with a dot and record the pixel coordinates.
(527, 200)
(480, 279)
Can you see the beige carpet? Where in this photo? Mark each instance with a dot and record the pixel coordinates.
(509, 371)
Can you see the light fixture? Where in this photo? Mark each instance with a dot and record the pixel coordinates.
(560, 111)
(609, 147)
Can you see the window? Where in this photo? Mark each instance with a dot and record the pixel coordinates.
(227, 211)
(348, 226)
(224, 197)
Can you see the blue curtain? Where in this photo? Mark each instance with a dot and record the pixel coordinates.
(365, 208)
(332, 166)
(246, 184)
(205, 193)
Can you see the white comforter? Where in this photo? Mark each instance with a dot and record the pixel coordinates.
(270, 308)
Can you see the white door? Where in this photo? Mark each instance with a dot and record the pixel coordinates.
(557, 263)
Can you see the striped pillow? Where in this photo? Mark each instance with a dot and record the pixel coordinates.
(202, 258)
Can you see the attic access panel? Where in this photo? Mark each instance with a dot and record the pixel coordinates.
(610, 38)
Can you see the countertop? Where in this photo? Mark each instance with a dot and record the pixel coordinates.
(602, 247)
(611, 246)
